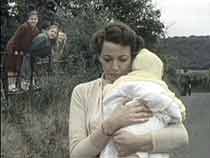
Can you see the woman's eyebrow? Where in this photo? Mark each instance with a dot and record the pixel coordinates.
(124, 55)
(106, 55)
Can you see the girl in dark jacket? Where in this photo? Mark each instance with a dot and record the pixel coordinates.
(18, 45)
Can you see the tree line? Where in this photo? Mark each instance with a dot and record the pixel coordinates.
(142, 16)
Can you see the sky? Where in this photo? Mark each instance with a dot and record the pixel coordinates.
(185, 17)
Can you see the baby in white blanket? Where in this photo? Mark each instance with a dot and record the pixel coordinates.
(144, 83)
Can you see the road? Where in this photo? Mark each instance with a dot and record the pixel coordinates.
(198, 126)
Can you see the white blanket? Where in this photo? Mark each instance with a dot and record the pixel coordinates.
(165, 110)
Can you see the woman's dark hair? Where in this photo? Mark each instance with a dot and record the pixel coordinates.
(119, 33)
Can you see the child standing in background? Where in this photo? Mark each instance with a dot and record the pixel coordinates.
(18, 46)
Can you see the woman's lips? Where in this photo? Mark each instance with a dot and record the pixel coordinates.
(113, 75)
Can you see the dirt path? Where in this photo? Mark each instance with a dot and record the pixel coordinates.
(198, 125)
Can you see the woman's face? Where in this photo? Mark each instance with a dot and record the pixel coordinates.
(115, 60)
(33, 20)
(53, 32)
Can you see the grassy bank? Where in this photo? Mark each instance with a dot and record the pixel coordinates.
(35, 125)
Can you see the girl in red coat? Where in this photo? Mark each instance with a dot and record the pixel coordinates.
(18, 45)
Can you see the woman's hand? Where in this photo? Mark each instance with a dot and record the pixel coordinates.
(125, 142)
(128, 143)
(127, 115)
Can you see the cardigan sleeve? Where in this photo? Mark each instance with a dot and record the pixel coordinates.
(80, 143)
(170, 138)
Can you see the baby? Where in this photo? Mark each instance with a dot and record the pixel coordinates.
(143, 84)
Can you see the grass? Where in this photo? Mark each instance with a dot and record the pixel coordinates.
(35, 125)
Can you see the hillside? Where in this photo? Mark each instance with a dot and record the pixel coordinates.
(191, 52)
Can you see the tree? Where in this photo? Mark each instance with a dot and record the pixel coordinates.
(80, 30)
(83, 17)
(140, 15)
(86, 16)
